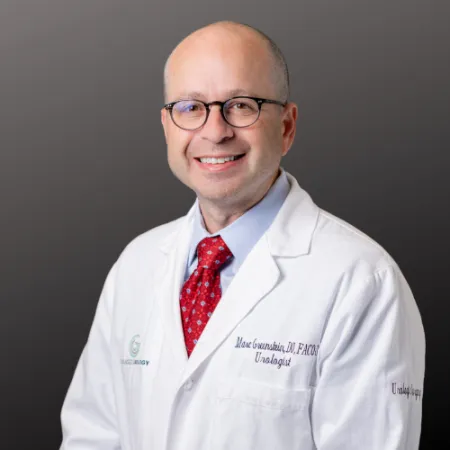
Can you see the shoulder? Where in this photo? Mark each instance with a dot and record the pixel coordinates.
(368, 279)
(342, 244)
(148, 245)
(330, 242)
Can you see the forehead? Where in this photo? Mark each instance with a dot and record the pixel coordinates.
(220, 64)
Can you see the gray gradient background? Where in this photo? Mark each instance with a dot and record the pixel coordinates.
(83, 163)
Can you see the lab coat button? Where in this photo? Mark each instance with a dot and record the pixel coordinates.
(188, 385)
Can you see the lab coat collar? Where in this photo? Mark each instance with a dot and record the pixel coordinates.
(182, 226)
(292, 230)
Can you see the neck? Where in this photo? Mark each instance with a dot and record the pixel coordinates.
(219, 215)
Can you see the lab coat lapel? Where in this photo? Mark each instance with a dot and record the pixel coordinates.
(175, 249)
(256, 277)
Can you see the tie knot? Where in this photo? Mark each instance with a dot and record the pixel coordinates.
(212, 253)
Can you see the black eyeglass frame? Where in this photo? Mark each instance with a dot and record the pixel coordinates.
(259, 101)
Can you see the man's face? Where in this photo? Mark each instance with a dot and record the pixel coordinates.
(217, 66)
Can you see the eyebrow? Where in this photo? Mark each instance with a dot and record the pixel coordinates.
(196, 95)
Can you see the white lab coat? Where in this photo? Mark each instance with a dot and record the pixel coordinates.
(316, 344)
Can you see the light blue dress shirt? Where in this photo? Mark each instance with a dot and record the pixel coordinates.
(241, 235)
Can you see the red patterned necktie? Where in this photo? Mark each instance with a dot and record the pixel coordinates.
(201, 292)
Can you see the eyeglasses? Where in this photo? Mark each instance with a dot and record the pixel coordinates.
(239, 112)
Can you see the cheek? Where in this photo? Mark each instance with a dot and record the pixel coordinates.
(266, 142)
(273, 132)
(177, 143)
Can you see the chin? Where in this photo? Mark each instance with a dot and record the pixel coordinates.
(218, 194)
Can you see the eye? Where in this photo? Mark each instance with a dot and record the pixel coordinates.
(239, 105)
(242, 107)
(191, 108)
(186, 107)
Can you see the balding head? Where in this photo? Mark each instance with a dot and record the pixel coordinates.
(232, 36)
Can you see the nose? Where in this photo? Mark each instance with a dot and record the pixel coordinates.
(216, 129)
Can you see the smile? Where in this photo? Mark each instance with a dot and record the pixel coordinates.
(219, 160)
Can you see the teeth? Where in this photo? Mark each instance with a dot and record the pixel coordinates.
(217, 160)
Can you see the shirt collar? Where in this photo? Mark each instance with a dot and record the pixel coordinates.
(241, 235)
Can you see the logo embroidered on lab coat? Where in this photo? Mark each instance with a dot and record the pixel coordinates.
(133, 348)
(135, 345)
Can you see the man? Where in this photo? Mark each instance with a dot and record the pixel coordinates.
(258, 321)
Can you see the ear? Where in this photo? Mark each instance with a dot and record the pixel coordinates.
(289, 126)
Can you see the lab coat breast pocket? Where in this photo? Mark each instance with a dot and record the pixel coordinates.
(250, 415)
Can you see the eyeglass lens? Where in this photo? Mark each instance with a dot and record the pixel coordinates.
(239, 112)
